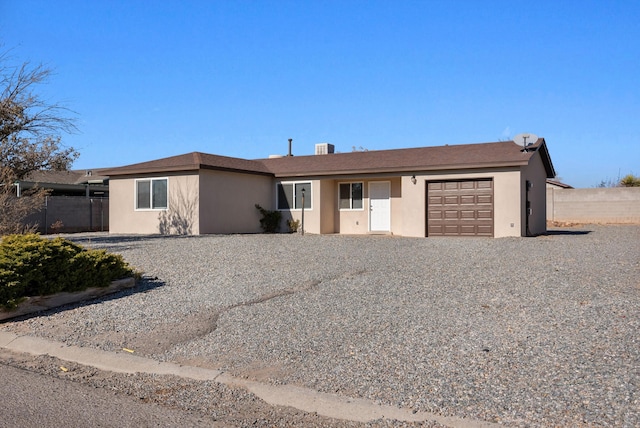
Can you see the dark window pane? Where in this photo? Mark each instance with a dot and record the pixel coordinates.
(143, 194)
(345, 196)
(159, 194)
(356, 195)
(285, 196)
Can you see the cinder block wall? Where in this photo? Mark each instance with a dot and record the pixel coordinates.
(74, 213)
(598, 205)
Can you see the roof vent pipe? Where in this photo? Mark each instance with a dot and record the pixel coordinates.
(290, 140)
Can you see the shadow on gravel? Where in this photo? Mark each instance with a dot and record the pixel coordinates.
(143, 285)
(119, 242)
(567, 232)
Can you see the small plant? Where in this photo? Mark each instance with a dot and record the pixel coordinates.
(56, 226)
(294, 225)
(270, 221)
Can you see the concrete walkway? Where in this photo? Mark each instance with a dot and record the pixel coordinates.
(330, 405)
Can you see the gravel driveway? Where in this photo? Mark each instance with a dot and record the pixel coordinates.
(538, 331)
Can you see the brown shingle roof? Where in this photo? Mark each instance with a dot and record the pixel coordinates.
(59, 177)
(66, 177)
(465, 156)
(485, 155)
(191, 162)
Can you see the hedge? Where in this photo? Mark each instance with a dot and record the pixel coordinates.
(34, 266)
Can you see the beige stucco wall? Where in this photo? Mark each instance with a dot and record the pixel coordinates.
(227, 201)
(124, 218)
(506, 201)
(598, 205)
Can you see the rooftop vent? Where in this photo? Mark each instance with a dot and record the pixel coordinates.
(324, 148)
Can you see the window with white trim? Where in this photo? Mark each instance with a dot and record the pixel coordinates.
(350, 196)
(290, 195)
(152, 194)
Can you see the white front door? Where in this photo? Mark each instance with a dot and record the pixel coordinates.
(379, 206)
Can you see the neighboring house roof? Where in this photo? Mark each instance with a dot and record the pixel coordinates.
(466, 156)
(556, 183)
(191, 162)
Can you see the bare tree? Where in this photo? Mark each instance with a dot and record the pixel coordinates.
(30, 140)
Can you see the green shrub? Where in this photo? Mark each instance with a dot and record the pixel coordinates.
(33, 266)
(270, 221)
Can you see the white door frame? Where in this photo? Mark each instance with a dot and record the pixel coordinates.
(381, 220)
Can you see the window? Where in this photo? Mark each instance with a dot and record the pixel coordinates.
(151, 194)
(290, 196)
(350, 196)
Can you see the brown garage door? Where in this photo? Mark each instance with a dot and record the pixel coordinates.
(460, 208)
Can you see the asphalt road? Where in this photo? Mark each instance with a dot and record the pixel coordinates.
(30, 399)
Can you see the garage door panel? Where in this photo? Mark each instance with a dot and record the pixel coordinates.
(436, 230)
(451, 200)
(451, 185)
(467, 214)
(485, 230)
(460, 208)
(467, 229)
(451, 214)
(450, 229)
(468, 199)
(436, 200)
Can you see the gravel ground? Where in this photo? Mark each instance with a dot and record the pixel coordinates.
(521, 331)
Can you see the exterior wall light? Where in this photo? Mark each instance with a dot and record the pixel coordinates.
(413, 179)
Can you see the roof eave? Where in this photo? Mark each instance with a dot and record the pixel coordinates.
(546, 159)
(180, 168)
(407, 169)
(152, 170)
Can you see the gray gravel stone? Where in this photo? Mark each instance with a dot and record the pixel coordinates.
(522, 331)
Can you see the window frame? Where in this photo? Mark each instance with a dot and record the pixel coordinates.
(308, 195)
(150, 180)
(351, 183)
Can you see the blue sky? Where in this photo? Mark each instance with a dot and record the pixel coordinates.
(151, 79)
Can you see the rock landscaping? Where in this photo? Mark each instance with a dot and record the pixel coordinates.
(529, 332)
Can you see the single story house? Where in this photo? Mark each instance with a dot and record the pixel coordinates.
(489, 189)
